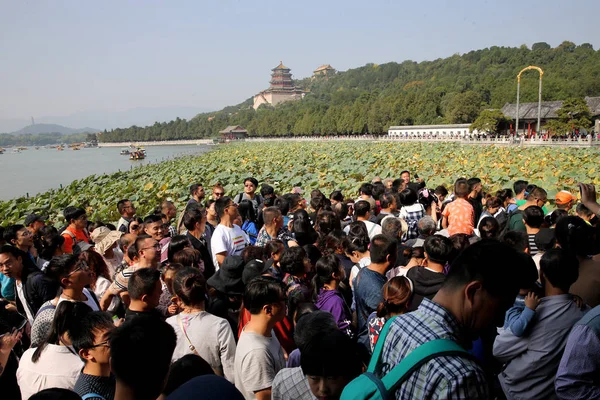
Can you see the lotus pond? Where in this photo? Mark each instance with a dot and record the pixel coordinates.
(324, 165)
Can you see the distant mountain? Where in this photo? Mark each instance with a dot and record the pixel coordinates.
(51, 128)
(106, 119)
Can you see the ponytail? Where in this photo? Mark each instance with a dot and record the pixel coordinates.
(396, 296)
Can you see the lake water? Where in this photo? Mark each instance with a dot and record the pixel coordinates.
(35, 171)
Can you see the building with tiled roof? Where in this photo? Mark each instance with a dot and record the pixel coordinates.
(281, 88)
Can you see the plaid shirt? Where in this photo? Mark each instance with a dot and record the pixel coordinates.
(291, 384)
(263, 237)
(412, 214)
(447, 377)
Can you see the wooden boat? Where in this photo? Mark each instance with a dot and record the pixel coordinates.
(137, 155)
(124, 152)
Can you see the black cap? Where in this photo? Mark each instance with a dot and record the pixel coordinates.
(31, 218)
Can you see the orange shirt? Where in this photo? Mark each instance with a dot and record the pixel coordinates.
(81, 236)
(460, 216)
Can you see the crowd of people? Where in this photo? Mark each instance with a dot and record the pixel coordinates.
(265, 295)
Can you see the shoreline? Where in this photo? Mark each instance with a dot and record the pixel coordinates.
(157, 143)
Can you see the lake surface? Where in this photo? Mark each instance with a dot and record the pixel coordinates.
(35, 171)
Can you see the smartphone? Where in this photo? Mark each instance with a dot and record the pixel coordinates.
(416, 176)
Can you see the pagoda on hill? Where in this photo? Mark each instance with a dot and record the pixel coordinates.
(325, 70)
(282, 88)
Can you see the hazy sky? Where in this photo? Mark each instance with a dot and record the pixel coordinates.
(60, 57)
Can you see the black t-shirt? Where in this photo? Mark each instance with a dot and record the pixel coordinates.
(130, 314)
(100, 385)
(202, 247)
(8, 380)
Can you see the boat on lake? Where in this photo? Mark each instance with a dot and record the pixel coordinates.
(124, 152)
(139, 154)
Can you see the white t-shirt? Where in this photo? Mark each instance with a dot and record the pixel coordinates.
(372, 228)
(102, 285)
(257, 360)
(90, 300)
(58, 367)
(21, 295)
(211, 336)
(231, 240)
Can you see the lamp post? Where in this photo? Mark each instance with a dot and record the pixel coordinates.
(539, 97)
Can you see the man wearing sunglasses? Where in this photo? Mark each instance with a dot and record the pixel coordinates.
(90, 339)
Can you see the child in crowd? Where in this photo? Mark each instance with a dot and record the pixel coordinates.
(544, 241)
(533, 218)
(328, 276)
(519, 316)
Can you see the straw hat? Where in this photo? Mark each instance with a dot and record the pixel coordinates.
(104, 238)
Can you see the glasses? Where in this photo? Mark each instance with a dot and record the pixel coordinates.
(106, 343)
(134, 226)
(218, 193)
(80, 266)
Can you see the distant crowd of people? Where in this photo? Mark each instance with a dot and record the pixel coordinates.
(398, 290)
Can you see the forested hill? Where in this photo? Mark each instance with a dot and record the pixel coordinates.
(370, 98)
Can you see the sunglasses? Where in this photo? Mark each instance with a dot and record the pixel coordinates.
(80, 266)
(106, 343)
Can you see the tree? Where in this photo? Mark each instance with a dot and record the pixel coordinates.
(489, 121)
(541, 46)
(464, 107)
(575, 113)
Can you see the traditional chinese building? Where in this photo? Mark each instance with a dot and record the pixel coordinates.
(325, 70)
(234, 132)
(282, 88)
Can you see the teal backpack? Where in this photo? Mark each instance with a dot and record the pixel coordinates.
(369, 387)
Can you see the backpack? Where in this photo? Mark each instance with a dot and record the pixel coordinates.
(91, 396)
(509, 216)
(79, 246)
(369, 387)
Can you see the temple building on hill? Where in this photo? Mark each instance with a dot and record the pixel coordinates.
(325, 70)
(282, 88)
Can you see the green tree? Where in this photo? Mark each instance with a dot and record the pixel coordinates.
(575, 114)
(540, 46)
(464, 107)
(488, 121)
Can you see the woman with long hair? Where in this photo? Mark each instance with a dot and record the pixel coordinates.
(396, 297)
(303, 229)
(73, 274)
(100, 279)
(199, 332)
(53, 363)
(329, 274)
(248, 214)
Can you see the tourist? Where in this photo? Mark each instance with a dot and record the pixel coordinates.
(477, 292)
(425, 227)
(290, 383)
(249, 221)
(250, 185)
(396, 298)
(411, 211)
(194, 220)
(365, 193)
(100, 277)
(585, 214)
(545, 240)
(336, 197)
(154, 227)
(531, 362)
(22, 238)
(520, 190)
(537, 197)
(136, 226)
(225, 290)
(196, 194)
(326, 282)
(274, 228)
(405, 177)
(577, 376)
(370, 280)
(168, 209)
(519, 317)
(125, 242)
(76, 237)
(90, 338)
(394, 228)
(302, 228)
(144, 288)
(183, 370)
(106, 243)
(458, 216)
(273, 251)
(258, 356)
(564, 200)
(489, 228)
(327, 222)
(32, 288)
(415, 257)
(475, 198)
(330, 363)
(362, 213)
(141, 374)
(296, 265)
(50, 244)
(199, 332)
(218, 191)
(228, 239)
(356, 249)
(35, 223)
(576, 237)
(494, 208)
(9, 361)
(73, 274)
(428, 279)
(533, 218)
(127, 211)
(146, 251)
(53, 363)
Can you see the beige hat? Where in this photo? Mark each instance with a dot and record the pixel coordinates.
(104, 238)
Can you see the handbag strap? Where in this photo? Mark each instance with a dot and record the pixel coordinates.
(419, 356)
(190, 345)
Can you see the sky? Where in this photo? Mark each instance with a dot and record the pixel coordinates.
(59, 57)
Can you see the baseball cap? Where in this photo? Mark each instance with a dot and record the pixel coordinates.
(563, 197)
(31, 218)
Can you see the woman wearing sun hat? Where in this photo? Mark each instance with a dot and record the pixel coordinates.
(106, 245)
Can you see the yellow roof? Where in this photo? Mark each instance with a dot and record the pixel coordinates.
(281, 66)
(324, 67)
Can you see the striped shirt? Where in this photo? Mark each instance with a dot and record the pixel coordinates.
(533, 249)
(446, 377)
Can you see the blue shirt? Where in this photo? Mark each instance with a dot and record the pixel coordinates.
(8, 287)
(368, 293)
(578, 375)
(518, 317)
